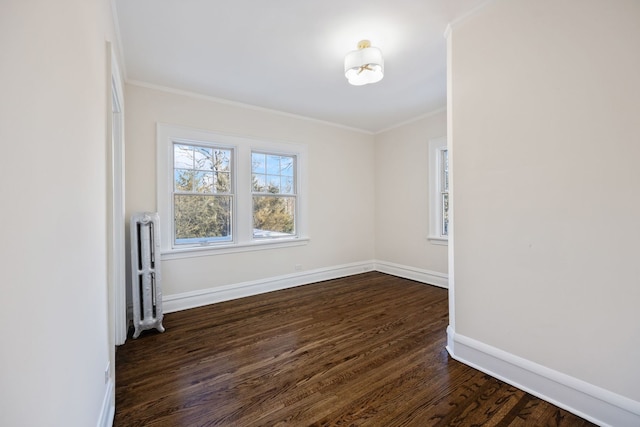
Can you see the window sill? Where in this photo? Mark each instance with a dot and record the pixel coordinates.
(199, 251)
(437, 240)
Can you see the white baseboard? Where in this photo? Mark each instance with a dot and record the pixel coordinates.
(419, 275)
(586, 400)
(108, 410)
(186, 300)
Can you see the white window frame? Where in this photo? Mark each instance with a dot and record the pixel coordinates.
(436, 147)
(207, 241)
(242, 210)
(293, 195)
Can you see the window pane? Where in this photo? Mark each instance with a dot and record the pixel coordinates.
(203, 158)
(286, 187)
(273, 165)
(258, 163)
(182, 156)
(258, 183)
(445, 170)
(203, 182)
(272, 173)
(445, 214)
(222, 182)
(273, 184)
(273, 216)
(201, 169)
(286, 165)
(183, 180)
(221, 160)
(202, 218)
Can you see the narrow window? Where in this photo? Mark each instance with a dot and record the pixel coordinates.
(439, 218)
(444, 192)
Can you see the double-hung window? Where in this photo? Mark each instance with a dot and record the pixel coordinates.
(220, 193)
(202, 193)
(438, 191)
(273, 190)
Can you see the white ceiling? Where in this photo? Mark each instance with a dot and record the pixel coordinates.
(287, 55)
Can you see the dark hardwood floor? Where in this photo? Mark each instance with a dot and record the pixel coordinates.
(368, 350)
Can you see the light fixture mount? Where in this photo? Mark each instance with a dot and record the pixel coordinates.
(364, 65)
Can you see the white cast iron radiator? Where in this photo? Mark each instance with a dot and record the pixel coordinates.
(145, 272)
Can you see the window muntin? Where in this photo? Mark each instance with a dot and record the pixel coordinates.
(274, 195)
(202, 194)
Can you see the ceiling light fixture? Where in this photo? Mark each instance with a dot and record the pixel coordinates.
(364, 65)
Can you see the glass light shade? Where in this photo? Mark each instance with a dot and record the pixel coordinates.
(364, 66)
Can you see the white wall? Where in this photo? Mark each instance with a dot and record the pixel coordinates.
(402, 196)
(53, 321)
(546, 186)
(340, 187)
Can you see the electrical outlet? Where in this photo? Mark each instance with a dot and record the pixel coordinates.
(298, 267)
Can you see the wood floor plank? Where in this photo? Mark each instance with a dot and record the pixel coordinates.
(367, 350)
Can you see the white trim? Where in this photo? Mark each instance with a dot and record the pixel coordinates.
(415, 119)
(116, 202)
(209, 98)
(118, 37)
(241, 105)
(418, 274)
(186, 300)
(584, 399)
(460, 19)
(438, 240)
(194, 251)
(447, 31)
(108, 410)
(451, 154)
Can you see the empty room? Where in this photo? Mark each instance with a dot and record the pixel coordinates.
(367, 213)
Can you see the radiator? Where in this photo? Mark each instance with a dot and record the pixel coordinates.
(146, 291)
